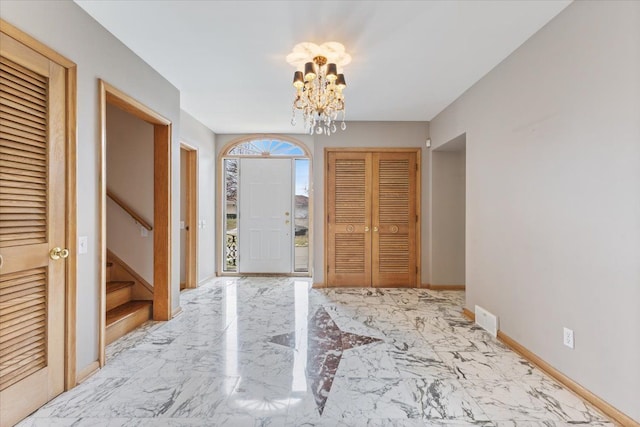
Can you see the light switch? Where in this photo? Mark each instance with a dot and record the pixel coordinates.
(83, 245)
(181, 225)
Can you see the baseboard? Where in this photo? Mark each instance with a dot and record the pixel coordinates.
(446, 287)
(206, 279)
(176, 311)
(87, 372)
(470, 315)
(582, 392)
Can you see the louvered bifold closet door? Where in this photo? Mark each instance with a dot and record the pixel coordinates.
(394, 262)
(32, 221)
(348, 222)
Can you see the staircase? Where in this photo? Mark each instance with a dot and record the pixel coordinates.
(124, 313)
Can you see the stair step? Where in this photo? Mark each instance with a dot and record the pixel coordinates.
(114, 285)
(118, 293)
(126, 317)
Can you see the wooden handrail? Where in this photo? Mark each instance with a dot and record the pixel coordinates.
(129, 210)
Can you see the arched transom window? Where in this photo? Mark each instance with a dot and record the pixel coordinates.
(266, 148)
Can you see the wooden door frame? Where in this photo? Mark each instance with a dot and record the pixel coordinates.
(191, 246)
(418, 152)
(108, 94)
(71, 129)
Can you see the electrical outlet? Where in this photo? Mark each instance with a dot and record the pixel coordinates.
(568, 337)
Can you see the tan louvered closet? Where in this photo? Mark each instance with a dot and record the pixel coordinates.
(32, 223)
(372, 218)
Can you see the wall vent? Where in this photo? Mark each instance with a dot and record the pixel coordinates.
(487, 320)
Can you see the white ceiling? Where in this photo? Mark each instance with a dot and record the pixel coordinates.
(410, 58)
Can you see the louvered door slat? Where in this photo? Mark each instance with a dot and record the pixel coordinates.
(10, 114)
(23, 96)
(23, 302)
(22, 81)
(349, 236)
(394, 215)
(17, 70)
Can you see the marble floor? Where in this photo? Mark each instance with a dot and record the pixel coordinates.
(275, 352)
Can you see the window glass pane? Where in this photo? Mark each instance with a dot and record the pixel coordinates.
(301, 215)
(266, 147)
(231, 215)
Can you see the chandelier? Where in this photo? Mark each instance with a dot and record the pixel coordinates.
(319, 85)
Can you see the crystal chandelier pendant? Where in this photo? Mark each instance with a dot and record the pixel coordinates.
(319, 86)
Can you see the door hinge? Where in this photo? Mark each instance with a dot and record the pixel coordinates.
(327, 268)
(416, 269)
(327, 218)
(417, 218)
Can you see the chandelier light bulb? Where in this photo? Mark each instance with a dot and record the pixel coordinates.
(298, 81)
(309, 72)
(319, 86)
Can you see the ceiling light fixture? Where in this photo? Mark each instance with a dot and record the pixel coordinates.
(319, 83)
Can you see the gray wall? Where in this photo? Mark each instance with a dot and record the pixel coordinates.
(66, 28)
(195, 134)
(553, 195)
(130, 178)
(447, 219)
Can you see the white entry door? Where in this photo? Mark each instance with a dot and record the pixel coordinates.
(265, 216)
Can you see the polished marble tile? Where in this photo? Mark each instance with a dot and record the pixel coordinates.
(275, 352)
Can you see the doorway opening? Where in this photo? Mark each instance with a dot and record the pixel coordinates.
(188, 216)
(447, 218)
(266, 201)
(160, 132)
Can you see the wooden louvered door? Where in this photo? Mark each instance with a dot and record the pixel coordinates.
(349, 219)
(372, 218)
(32, 222)
(394, 220)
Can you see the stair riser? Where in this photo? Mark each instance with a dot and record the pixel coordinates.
(118, 297)
(127, 324)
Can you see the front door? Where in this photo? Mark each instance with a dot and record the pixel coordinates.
(32, 225)
(265, 216)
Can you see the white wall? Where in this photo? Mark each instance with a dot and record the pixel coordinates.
(195, 134)
(130, 178)
(447, 219)
(66, 28)
(553, 195)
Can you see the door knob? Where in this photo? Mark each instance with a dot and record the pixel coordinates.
(57, 253)
(286, 222)
(366, 229)
(375, 229)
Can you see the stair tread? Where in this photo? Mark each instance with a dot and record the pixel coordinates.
(125, 310)
(114, 285)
